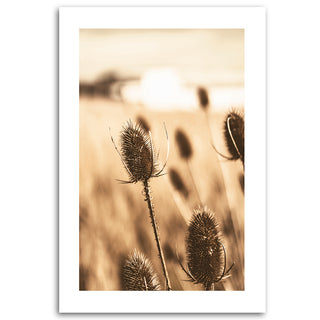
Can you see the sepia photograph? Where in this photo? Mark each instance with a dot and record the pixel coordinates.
(161, 159)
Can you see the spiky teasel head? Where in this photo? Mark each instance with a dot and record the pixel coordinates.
(234, 135)
(178, 183)
(184, 144)
(138, 275)
(203, 98)
(204, 250)
(137, 152)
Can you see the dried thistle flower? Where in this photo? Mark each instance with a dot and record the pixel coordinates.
(137, 153)
(137, 274)
(184, 144)
(234, 135)
(143, 123)
(203, 98)
(178, 183)
(205, 252)
(138, 157)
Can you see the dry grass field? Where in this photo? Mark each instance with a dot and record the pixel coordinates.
(114, 218)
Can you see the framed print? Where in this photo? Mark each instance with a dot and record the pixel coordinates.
(162, 160)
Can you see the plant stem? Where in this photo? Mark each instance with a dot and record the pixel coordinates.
(155, 230)
(209, 287)
(193, 182)
(222, 177)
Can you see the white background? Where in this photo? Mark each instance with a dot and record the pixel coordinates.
(29, 153)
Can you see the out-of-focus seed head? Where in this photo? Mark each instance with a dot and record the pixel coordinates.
(184, 144)
(204, 250)
(138, 275)
(137, 152)
(203, 98)
(178, 183)
(143, 123)
(234, 135)
(241, 181)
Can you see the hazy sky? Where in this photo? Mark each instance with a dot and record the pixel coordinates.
(210, 57)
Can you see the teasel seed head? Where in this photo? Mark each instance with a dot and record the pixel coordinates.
(203, 98)
(138, 275)
(178, 183)
(143, 123)
(184, 144)
(204, 250)
(137, 152)
(234, 135)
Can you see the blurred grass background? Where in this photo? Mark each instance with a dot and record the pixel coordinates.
(114, 218)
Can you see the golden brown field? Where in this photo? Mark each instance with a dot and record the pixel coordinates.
(114, 217)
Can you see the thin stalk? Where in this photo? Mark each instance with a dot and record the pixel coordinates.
(209, 127)
(182, 206)
(209, 287)
(193, 182)
(234, 233)
(155, 230)
(222, 175)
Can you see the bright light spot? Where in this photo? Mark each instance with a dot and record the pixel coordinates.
(162, 89)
